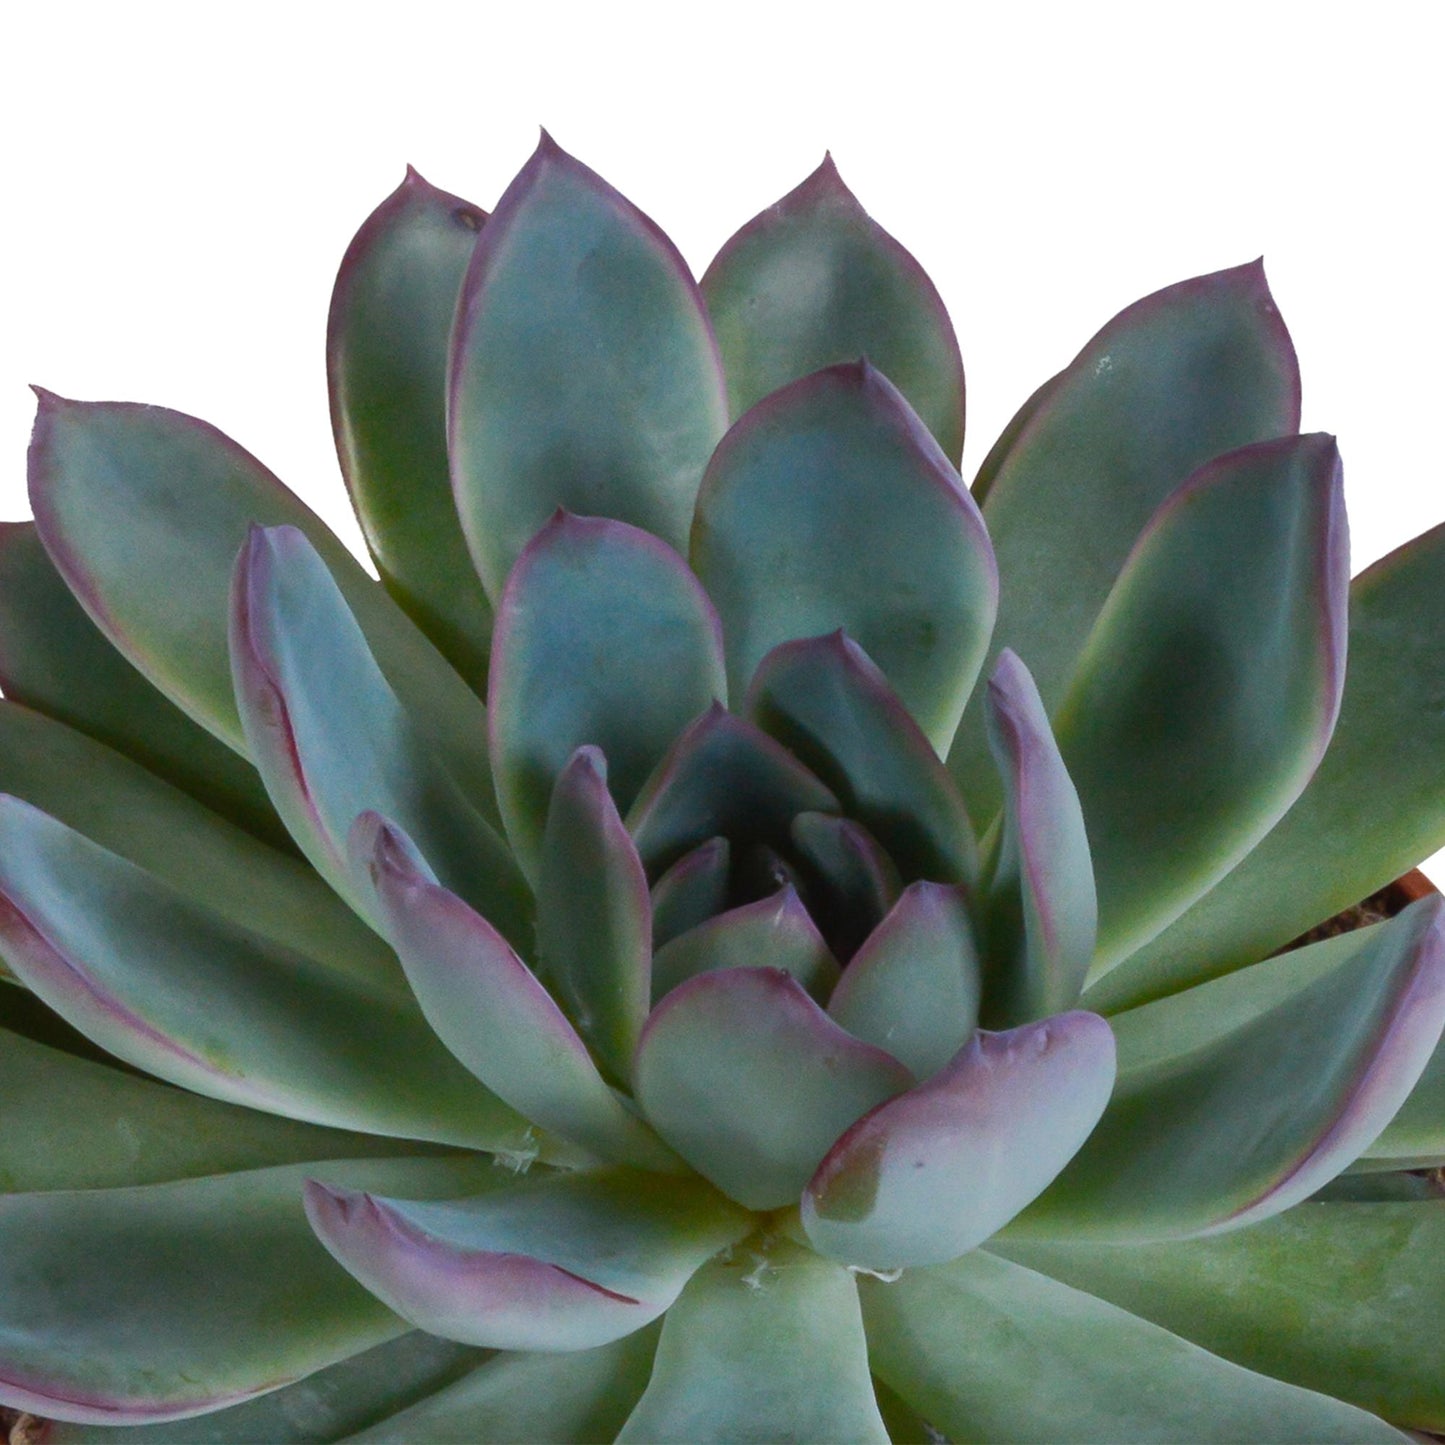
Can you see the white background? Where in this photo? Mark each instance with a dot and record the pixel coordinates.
(181, 182)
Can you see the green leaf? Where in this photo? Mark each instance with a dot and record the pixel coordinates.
(574, 295)
(605, 638)
(989, 1350)
(184, 994)
(1369, 814)
(54, 659)
(387, 343)
(761, 1347)
(1194, 370)
(1347, 1299)
(691, 891)
(79, 1269)
(1198, 712)
(1243, 1125)
(829, 505)
(814, 280)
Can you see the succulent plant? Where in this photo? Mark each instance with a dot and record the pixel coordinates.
(736, 936)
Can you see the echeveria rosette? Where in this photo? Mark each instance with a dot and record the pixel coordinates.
(663, 964)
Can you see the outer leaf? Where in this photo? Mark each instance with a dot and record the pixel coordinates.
(594, 916)
(1415, 1137)
(1240, 1128)
(387, 343)
(1192, 371)
(566, 1263)
(761, 1347)
(691, 891)
(933, 1173)
(850, 880)
(188, 996)
(78, 1269)
(574, 295)
(1198, 711)
(1040, 907)
(1369, 814)
(1348, 1299)
(828, 704)
(989, 1350)
(814, 280)
(333, 740)
(55, 660)
(750, 1081)
(913, 987)
(830, 505)
(605, 638)
(490, 1011)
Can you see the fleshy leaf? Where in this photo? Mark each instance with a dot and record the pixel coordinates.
(1192, 371)
(829, 505)
(725, 777)
(143, 511)
(824, 699)
(54, 659)
(1233, 1130)
(777, 930)
(1039, 908)
(850, 880)
(605, 638)
(813, 281)
(1347, 1299)
(761, 1347)
(565, 1263)
(387, 345)
(691, 891)
(182, 993)
(751, 1082)
(79, 1268)
(574, 295)
(1200, 710)
(594, 915)
(913, 987)
(989, 1350)
(491, 1012)
(332, 739)
(1370, 812)
(933, 1173)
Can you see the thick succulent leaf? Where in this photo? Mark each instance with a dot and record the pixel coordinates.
(189, 996)
(1246, 1125)
(850, 881)
(722, 777)
(387, 348)
(143, 511)
(761, 1347)
(1348, 1299)
(605, 638)
(1415, 1137)
(913, 987)
(120, 805)
(583, 1397)
(751, 1082)
(1199, 711)
(574, 295)
(594, 915)
(329, 1405)
(333, 740)
(1192, 371)
(1039, 910)
(989, 1350)
(933, 1173)
(489, 1009)
(79, 1269)
(829, 505)
(814, 280)
(831, 707)
(565, 1263)
(54, 659)
(1370, 812)
(691, 891)
(777, 931)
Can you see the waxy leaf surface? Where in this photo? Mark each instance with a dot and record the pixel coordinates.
(691, 891)
(850, 881)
